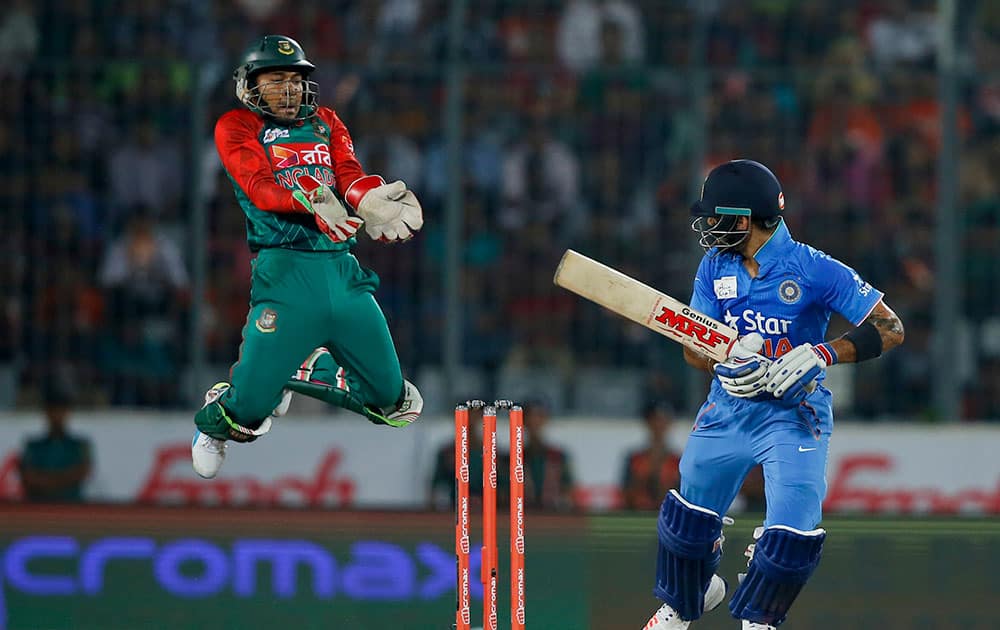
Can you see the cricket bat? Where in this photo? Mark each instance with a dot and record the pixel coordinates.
(644, 305)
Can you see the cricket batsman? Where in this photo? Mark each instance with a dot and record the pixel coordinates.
(767, 403)
(313, 315)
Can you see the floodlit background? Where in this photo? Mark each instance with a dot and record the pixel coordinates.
(525, 127)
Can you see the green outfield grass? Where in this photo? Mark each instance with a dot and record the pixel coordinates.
(884, 573)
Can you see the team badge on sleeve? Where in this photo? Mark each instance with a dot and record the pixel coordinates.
(790, 292)
(267, 322)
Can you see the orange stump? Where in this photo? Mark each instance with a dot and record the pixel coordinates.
(516, 518)
(489, 574)
(463, 613)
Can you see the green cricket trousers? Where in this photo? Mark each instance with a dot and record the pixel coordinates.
(300, 300)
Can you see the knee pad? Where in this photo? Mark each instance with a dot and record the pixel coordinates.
(689, 552)
(783, 560)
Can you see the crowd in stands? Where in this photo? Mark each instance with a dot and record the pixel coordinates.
(586, 124)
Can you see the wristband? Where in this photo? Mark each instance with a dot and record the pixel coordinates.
(826, 353)
(867, 342)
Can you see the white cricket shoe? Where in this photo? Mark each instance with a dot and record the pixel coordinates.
(207, 452)
(753, 625)
(666, 618)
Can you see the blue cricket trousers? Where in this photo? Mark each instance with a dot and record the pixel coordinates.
(731, 435)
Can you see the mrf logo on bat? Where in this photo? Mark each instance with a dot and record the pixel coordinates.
(693, 324)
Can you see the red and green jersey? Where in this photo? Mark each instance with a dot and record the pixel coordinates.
(264, 160)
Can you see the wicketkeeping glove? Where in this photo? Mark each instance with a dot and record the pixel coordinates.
(391, 212)
(793, 376)
(744, 373)
(331, 215)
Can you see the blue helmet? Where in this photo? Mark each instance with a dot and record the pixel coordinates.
(738, 188)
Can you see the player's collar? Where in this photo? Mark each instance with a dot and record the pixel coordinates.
(773, 248)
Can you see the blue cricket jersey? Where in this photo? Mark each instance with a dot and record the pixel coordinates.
(790, 301)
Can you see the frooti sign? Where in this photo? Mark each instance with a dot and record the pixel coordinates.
(850, 491)
(319, 462)
(169, 481)
(324, 463)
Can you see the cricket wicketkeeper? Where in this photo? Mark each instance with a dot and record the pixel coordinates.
(314, 326)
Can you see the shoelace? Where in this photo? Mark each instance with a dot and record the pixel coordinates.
(669, 614)
(213, 445)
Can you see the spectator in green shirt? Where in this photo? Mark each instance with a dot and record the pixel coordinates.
(53, 466)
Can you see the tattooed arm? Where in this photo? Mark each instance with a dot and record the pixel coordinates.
(889, 326)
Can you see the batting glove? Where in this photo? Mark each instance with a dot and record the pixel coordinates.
(744, 373)
(794, 375)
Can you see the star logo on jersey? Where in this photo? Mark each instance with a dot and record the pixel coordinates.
(758, 322)
(284, 158)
